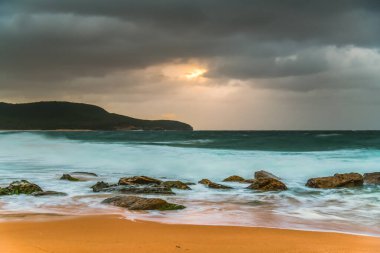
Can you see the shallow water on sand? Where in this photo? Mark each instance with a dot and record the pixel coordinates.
(42, 157)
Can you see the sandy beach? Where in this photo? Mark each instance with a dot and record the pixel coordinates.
(113, 234)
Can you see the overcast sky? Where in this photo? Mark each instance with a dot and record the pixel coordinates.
(216, 64)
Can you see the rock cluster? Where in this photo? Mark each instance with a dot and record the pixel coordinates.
(263, 181)
(28, 188)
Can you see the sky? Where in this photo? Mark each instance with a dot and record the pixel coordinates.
(215, 64)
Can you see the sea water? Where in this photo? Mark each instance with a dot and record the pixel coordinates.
(42, 157)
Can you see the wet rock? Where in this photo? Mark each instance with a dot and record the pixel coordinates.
(48, 193)
(81, 173)
(234, 178)
(138, 180)
(213, 185)
(162, 190)
(133, 189)
(205, 181)
(138, 203)
(372, 178)
(336, 181)
(190, 183)
(99, 186)
(70, 178)
(20, 187)
(265, 174)
(176, 184)
(267, 184)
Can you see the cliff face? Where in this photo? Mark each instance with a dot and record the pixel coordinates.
(66, 115)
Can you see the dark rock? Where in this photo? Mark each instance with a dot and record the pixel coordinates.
(265, 174)
(176, 184)
(133, 189)
(190, 183)
(146, 190)
(213, 185)
(84, 173)
(99, 186)
(138, 180)
(372, 178)
(69, 178)
(336, 181)
(138, 203)
(20, 187)
(267, 184)
(234, 178)
(48, 193)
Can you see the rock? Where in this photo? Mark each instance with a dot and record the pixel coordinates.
(234, 178)
(48, 193)
(138, 180)
(138, 203)
(205, 181)
(190, 183)
(132, 189)
(372, 178)
(265, 174)
(84, 173)
(336, 181)
(20, 187)
(99, 186)
(176, 184)
(69, 178)
(146, 190)
(213, 185)
(267, 184)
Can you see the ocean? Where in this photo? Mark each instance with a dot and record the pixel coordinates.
(42, 157)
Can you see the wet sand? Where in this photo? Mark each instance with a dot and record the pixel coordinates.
(100, 234)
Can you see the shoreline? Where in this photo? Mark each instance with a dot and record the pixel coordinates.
(47, 217)
(113, 233)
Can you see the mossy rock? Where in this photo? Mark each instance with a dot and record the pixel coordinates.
(139, 180)
(170, 206)
(139, 203)
(213, 185)
(234, 178)
(176, 184)
(4, 191)
(69, 178)
(20, 187)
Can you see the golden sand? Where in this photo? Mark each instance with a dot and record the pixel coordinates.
(112, 234)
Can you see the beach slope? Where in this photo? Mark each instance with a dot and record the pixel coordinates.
(99, 234)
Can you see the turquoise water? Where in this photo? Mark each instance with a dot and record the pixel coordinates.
(42, 157)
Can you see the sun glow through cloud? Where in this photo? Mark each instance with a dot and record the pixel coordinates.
(195, 73)
(186, 72)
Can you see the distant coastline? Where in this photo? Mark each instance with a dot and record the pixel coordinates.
(67, 116)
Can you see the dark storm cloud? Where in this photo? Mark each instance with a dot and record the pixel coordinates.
(45, 42)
